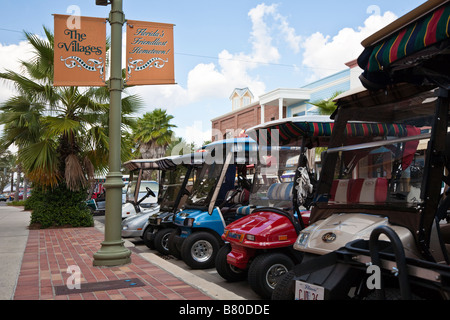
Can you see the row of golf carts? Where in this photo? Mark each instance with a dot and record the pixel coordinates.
(372, 224)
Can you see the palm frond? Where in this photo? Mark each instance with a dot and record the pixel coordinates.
(40, 161)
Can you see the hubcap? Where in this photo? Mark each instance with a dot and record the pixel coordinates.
(165, 241)
(201, 251)
(274, 273)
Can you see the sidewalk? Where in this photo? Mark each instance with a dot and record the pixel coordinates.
(34, 266)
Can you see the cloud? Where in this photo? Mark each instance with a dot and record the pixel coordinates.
(326, 55)
(198, 132)
(10, 57)
(233, 70)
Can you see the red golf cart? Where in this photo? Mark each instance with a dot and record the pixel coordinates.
(259, 245)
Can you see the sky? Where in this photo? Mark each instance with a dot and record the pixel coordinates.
(220, 46)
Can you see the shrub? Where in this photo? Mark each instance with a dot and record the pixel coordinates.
(58, 207)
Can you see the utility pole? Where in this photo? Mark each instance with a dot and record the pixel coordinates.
(113, 251)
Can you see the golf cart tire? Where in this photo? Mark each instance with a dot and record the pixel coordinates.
(284, 290)
(172, 244)
(225, 270)
(193, 250)
(259, 268)
(149, 238)
(161, 237)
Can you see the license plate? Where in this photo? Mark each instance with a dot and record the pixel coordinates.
(307, 291)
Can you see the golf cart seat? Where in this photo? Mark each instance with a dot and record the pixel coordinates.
(369, 190)
(239, 199)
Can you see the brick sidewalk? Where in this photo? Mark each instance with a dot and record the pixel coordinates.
(50, 252)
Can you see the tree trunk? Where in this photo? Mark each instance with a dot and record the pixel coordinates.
(25, 188)
(16, 194)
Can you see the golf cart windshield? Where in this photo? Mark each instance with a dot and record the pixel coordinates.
(378, 165)
(143, 185)
(172, 182)
(204, 185)
(274, 177)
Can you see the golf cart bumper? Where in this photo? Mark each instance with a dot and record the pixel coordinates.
(131, 233)
(240, 256)
(325, 277)
(181, 236)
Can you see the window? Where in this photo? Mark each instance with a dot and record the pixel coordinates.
(235, 102)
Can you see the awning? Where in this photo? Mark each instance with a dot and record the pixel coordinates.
(166, 163)
(415, 49)
(297, 127)
(289, 129)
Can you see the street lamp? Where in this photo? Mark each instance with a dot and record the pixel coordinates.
(101, 2)
(113, 251)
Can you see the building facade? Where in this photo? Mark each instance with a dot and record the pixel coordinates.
(280, 103)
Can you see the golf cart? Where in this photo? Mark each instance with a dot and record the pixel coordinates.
(378, 225)
(260, 244)
(221, 187)
(177, 179)
(136, 199)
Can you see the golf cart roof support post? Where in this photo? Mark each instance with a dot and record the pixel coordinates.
(181, 193)
(336, 140)
(230, 156)
(138, 185)
(434, 169)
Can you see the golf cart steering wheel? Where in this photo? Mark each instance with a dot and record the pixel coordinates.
(150, 192)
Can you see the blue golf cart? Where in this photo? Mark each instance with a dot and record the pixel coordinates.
(221, 187)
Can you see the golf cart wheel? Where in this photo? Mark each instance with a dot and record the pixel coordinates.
(199, 250)
(162, 240)
(265, 272)
(148, 237)
(226, 270)
(284, 290)
(172, 245)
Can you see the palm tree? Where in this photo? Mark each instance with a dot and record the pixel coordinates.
(154, 133)
(61, 132)
(326, 106)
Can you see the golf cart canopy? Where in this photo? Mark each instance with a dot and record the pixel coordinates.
(415, 48)
(166, 163)
(241, 151)
(137, 164)
(290, 130)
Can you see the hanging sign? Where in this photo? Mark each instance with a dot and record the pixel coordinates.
(79, 51)
(149, 53)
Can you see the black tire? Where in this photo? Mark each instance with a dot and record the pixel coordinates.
(265, 272)
(284, 290)
(199, 250)
(174, 250)
(162, 240)
(148, 237)
(225, 270)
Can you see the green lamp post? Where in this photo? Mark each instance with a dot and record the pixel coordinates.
(113, 252)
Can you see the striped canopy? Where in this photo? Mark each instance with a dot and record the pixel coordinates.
(416, 52)
(291, 131)
(429, 30)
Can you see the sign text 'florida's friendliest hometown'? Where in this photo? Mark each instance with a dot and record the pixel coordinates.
(79, 52)
(150, 56)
